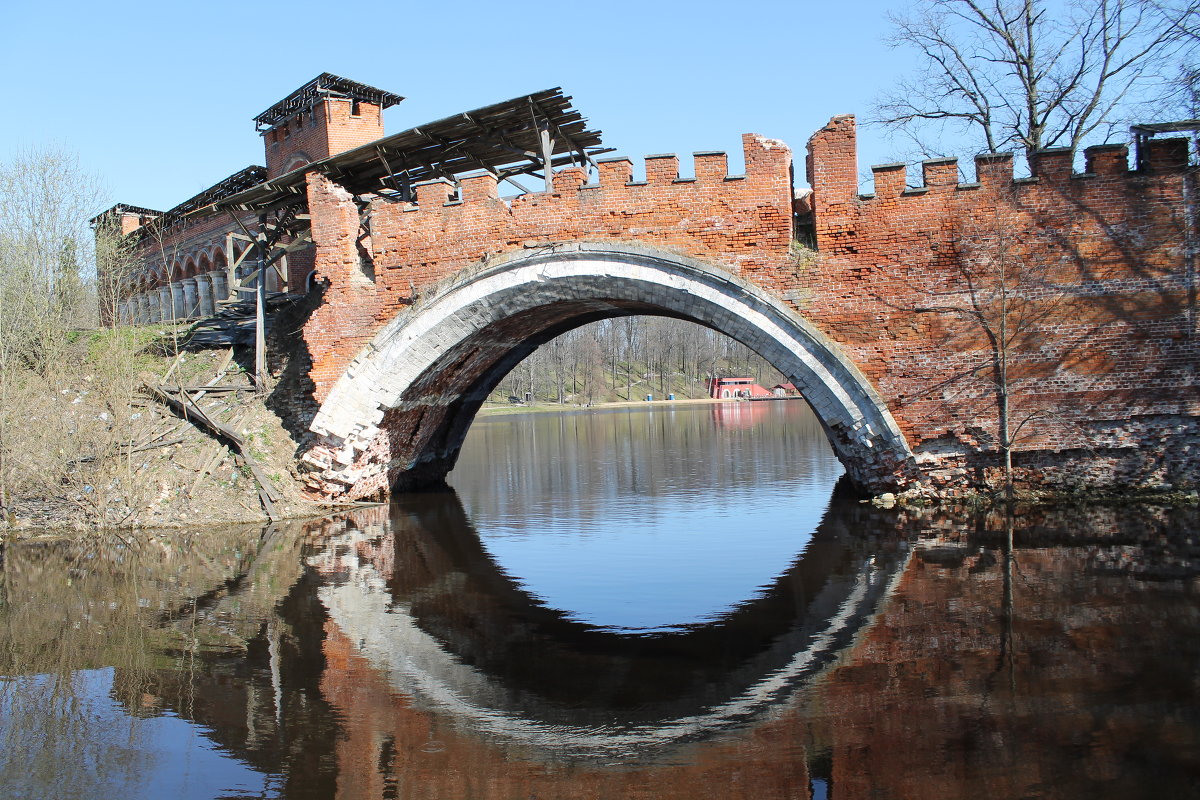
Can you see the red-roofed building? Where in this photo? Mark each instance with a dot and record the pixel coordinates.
(730, 388)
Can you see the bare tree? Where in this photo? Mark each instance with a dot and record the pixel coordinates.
(65, 394)
(1183, 88)
(45, 200)
(1002, 294)
(1014, 74)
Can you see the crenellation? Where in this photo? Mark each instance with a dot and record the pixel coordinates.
(890, 179)
(569, 180)
(614, 172)
(712, 166)
(1052, 164)
(994, 170)
(479, 186)
(1166, 155)
(662, 168)
(939, 174)
(433, 193)
(1106, 159)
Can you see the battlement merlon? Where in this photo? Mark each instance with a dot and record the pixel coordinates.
(832, 167)
(767, 179)
(739, 220)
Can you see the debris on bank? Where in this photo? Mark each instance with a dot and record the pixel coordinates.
(196, 444)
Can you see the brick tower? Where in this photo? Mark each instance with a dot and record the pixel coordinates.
(326, 116)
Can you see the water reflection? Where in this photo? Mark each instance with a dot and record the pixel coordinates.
(401, 652)
(107, 648)
(648, 520)
(429, 609)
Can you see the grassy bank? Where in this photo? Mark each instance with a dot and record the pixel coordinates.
(85, 446)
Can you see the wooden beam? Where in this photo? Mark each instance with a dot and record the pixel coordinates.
(184, 406)
(260, 309)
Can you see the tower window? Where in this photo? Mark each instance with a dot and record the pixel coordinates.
(355, 108)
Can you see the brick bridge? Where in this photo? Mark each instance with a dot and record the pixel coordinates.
(904, 316)
(884, 327)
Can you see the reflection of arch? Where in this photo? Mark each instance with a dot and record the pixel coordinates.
(427, 372)
(430, 610)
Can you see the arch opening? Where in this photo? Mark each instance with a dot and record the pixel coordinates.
(636, 358)
(399, 414)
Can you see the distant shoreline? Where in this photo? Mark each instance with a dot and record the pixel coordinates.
(497, 409)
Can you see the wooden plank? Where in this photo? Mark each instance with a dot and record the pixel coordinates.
(215, 454)
(205, 389)
(268, 494)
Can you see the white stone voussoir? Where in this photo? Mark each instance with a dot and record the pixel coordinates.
(591, 275)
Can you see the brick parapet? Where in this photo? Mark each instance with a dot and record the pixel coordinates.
(741, 222)
(1094, 260)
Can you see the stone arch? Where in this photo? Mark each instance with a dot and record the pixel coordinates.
(205, 265)
(218, 262)
(189, 268)
(399, 413)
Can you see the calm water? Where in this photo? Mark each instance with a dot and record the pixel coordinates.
(631, 604)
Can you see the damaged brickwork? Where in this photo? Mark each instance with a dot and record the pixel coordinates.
(1098, 274)
(890, 323)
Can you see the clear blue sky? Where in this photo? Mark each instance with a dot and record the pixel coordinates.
(157, 98)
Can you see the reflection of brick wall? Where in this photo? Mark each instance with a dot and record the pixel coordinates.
(926, 707)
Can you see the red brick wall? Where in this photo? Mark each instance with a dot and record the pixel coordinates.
(1103, 359)
(326, 129)
(743, 222)
(1102, 331)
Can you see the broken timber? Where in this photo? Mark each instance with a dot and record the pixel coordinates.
(183, 405)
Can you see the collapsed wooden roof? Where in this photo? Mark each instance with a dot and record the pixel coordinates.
(515, 137)
(324, 85)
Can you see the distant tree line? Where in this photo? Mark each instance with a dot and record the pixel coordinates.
(628, 358)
